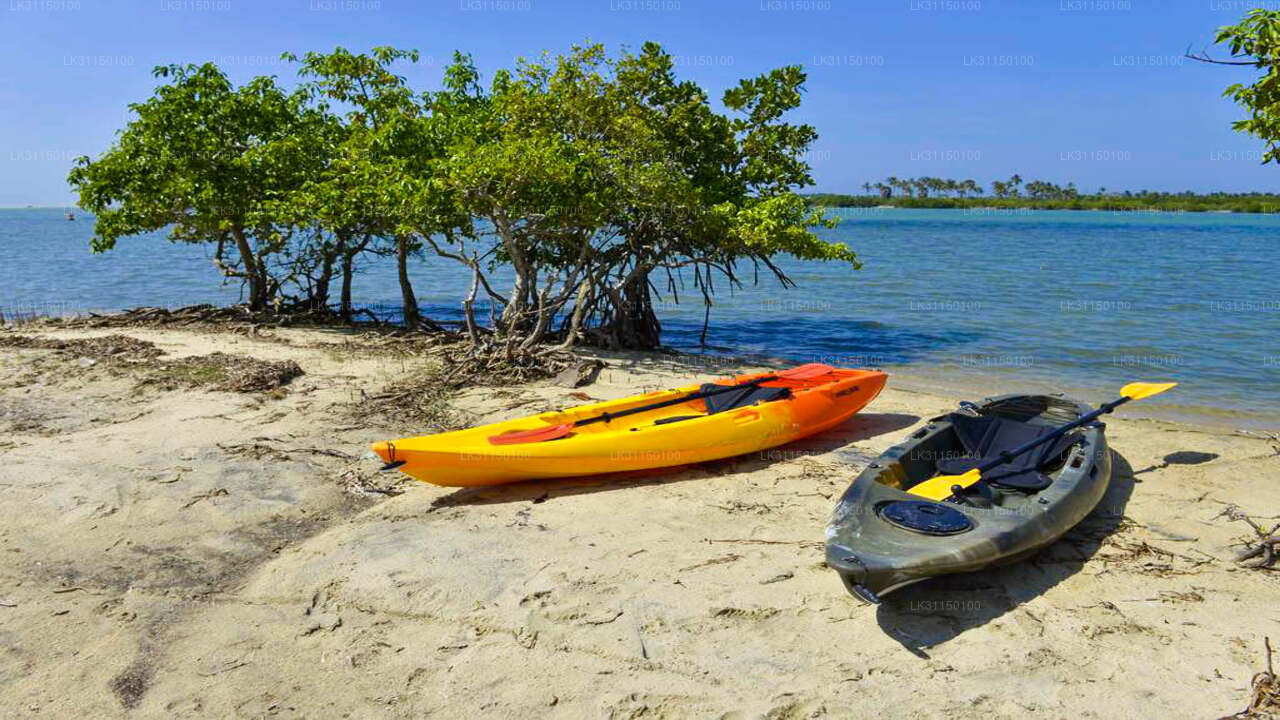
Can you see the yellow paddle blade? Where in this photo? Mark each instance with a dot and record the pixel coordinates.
(939, 488)
(1139, 390)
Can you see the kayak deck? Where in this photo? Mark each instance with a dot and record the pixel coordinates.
(677, 434)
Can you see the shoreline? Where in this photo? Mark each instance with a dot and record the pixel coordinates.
(1221, 418)
(936, 379)
(932, 378)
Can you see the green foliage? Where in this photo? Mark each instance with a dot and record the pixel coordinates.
(581, 175)
(207, 160)
(1257, 38)
(590, 173)
(381, 183)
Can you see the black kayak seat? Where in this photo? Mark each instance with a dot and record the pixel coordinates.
(741, 397)
(985, 437)
(731, 400)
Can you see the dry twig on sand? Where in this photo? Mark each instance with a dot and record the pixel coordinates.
(1142, 556)
(1272, 438)
(492, 366)
(357, 482)
(1265, 702)
(1260, 551)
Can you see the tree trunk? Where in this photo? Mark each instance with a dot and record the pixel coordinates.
(634, 324)
(468, 307)
(257, 288)
(348, 259)
(519, 301)
(319, 299)
(410, 301)
(579, 309)
(320, 294)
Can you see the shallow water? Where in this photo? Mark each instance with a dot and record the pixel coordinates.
(1054, 299)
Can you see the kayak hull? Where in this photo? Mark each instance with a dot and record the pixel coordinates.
(680, 434)
(874, 556)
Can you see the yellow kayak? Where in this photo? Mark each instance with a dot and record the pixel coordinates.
(685, 425)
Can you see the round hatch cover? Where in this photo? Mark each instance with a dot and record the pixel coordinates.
(925, 517)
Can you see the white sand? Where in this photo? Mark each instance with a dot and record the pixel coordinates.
(151, 564)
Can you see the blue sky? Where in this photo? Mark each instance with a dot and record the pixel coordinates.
(1092, 91)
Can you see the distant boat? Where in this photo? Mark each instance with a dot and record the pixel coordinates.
(71, 216)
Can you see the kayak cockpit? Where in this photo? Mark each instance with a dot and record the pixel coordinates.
(971, 438)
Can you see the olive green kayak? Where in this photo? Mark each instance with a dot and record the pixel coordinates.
(882, 537)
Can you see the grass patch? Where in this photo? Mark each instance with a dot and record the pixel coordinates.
(185, 375)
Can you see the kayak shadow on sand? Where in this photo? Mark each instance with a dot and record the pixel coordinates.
(838, 440)
(935, 611)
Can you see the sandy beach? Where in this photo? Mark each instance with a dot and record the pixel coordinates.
(175, 548)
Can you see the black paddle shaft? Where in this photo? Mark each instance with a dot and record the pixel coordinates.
(1085, 419)
(606, 417)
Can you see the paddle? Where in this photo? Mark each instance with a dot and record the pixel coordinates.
(553, 432)
(944, 486)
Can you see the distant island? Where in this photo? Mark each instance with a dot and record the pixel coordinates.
(932, 192)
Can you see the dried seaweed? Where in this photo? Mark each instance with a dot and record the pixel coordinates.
(109, 347)
(237, 315)
(221, 371)
(422, 402)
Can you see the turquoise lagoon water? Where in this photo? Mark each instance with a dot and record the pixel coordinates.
(1083, 301)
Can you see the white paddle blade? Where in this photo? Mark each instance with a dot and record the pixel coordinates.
(1140, 390)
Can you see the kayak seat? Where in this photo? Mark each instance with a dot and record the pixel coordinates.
(731, 400)
(742, 397)
(984, 438)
